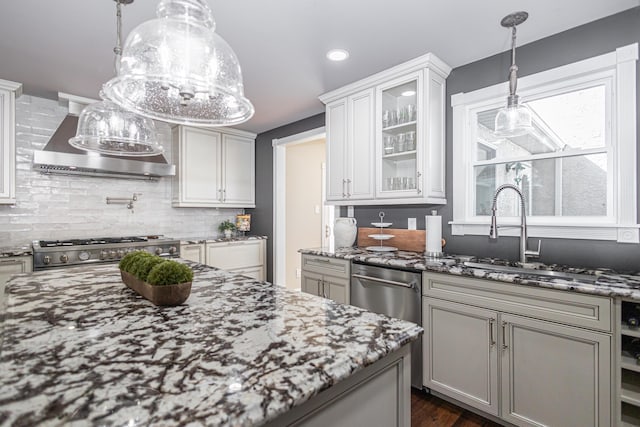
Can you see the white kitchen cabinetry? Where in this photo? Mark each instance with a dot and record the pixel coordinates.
(9, 267)
(385, 136)
(193, 252)
(530, 356)
(244, 257)
(351, 152)
(214, 168)
(326, 277)
(8, 93)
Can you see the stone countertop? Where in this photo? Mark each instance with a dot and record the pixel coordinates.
(79, 347)
(8, 252)
(603, 282)
(195, 241)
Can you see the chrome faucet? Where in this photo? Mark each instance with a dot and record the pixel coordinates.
(493, 231)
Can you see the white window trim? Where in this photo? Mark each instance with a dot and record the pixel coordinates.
(622, 225)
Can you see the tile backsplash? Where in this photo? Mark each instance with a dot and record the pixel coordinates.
(60, 207)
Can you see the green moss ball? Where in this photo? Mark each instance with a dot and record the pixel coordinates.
(169, 273)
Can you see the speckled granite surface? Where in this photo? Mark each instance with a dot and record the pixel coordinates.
(193, 241)
(594, 281)
(80, 348)
(15, 251)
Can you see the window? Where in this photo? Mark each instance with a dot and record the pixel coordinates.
(576, 168)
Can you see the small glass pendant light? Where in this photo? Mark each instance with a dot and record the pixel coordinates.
(177, 69)
(514, 119)
(107, 128)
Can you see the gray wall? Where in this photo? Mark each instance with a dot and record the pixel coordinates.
(589, 40)
(262, 215)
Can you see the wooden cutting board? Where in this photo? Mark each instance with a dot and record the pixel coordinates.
(405, 240)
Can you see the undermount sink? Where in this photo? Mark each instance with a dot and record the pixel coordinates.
(534, 272)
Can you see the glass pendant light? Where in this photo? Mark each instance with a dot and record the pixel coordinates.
(177, 69)
(107, 128)
(514, 119)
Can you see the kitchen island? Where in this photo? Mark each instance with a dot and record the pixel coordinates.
(80, 348)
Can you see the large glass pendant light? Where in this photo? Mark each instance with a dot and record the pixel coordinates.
(514, 119)
(107, 128)
(177, 69)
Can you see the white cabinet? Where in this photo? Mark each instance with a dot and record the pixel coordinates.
(213, 168)
(326, 277)
(530, 356)
(350, 163)
(193, 252)
(244, 257)
(8, 93)
(11, 266)
(385, 136)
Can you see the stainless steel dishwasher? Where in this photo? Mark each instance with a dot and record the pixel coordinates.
(395, 293)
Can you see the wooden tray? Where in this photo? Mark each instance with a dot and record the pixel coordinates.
(166, 295)
(405, 240)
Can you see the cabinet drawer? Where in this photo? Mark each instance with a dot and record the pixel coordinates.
(326, 265)
(232, 255)
(588, 311)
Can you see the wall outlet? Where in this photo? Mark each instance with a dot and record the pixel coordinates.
(411, 224)
(317, 209)
(298, 273)
(350, 211)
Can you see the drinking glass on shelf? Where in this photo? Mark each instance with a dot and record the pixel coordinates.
(410, 112)
(410, 184)
(401, 143)
(389, 141)
(410, 138)
(402, 115)
(405, 182)
(397, 183)
(393, 117)
(386, 118)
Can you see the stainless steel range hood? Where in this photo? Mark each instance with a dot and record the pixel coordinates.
(58, 157)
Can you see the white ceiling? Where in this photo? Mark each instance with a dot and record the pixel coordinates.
(66, 45)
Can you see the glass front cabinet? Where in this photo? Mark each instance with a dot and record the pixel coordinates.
(400, 137)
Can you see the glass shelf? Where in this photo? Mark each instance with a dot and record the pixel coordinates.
(407, 155)
(400, 127)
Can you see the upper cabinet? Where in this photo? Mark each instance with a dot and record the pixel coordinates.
(385, 136)
(8, 93)
(215, 168)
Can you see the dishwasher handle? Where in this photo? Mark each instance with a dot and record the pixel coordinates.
(385, 281)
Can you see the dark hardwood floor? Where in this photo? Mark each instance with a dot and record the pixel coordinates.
(428, 410)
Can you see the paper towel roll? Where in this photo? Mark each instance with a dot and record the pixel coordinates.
(434, 235)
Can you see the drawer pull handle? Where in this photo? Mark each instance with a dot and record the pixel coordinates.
(492, 340)
(387, 282)
(505, 346)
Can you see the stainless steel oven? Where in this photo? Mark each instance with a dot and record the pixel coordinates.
(73, 252)
(395, 293)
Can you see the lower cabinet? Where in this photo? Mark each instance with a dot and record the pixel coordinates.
(244, 257)
(326, 277)
(527, 371)
(11, 266)
(193, 252)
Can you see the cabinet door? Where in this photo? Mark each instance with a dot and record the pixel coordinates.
(360, 146)
(336, 289)
(399, 138)
(9, 267)
(336, 119)
(193, 253)
(199, 177)
(7, 142)
(554, 375)
(235, 255)
(311, 283)
(238, 154)
(460, 352)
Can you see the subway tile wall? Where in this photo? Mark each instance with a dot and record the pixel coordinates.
(61, 207)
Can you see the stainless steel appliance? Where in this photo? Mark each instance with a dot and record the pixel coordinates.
(63, 253)
(395, 293)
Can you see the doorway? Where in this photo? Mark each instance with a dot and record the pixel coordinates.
(301, 218)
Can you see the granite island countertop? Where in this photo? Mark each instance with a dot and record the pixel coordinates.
(603, 282)
(79, 347)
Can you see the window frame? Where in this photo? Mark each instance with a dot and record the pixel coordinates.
(617, 70)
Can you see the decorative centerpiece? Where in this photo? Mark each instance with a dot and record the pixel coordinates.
(227, 227)
(161, 281)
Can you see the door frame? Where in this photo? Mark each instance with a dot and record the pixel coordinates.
(280, 197)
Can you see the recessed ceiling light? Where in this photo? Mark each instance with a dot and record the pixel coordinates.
(408, 93)
(337, 54)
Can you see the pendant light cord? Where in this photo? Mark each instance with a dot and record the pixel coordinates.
(513, 70)
(118, 48)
